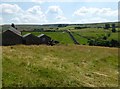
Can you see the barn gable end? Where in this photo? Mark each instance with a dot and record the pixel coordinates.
(11, 37)
(30, 39)
(44, 39)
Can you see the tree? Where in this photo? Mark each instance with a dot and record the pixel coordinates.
(114, 43)
(113, 25)
(77, 27)
(60, 25)
(113, 28)
(109, 34)
(12, 25)
(91, 42)
(107, 26)
(104, 37)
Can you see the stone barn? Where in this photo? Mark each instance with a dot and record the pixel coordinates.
(44, 39)
(11, 37)
(30, 39)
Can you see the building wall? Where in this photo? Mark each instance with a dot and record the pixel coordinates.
(10, 38)
(31, 40)
(45, 39)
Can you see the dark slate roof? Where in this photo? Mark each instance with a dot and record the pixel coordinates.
(41, 35)
(26, 34)
(14, 30)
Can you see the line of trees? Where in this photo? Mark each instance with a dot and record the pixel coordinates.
(107, 43)
(104, 41)
(107, 26)
(42, 30)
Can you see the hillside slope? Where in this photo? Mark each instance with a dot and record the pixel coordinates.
(68, 66)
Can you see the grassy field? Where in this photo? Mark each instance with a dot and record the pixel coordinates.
(94, 33)
(61, 66)
(80, 39)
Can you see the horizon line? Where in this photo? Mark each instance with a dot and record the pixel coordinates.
(57, 23)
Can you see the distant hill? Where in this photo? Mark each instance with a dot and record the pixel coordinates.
(54, 26)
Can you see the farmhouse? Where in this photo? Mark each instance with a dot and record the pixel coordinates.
(44, 39)
(11, 37)
(30, 39)
(14, 37)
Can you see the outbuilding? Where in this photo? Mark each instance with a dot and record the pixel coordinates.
(30, 39)
(11, 37)
(44, 39)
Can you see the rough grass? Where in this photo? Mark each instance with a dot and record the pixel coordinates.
(61, 66)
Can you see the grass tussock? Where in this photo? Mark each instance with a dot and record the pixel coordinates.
(61, 66)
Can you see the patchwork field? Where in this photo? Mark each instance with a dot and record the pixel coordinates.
(81, 35)
(61, 66)
(81, 32)
(95, 33)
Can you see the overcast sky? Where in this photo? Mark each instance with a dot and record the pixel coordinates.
(58, 11)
